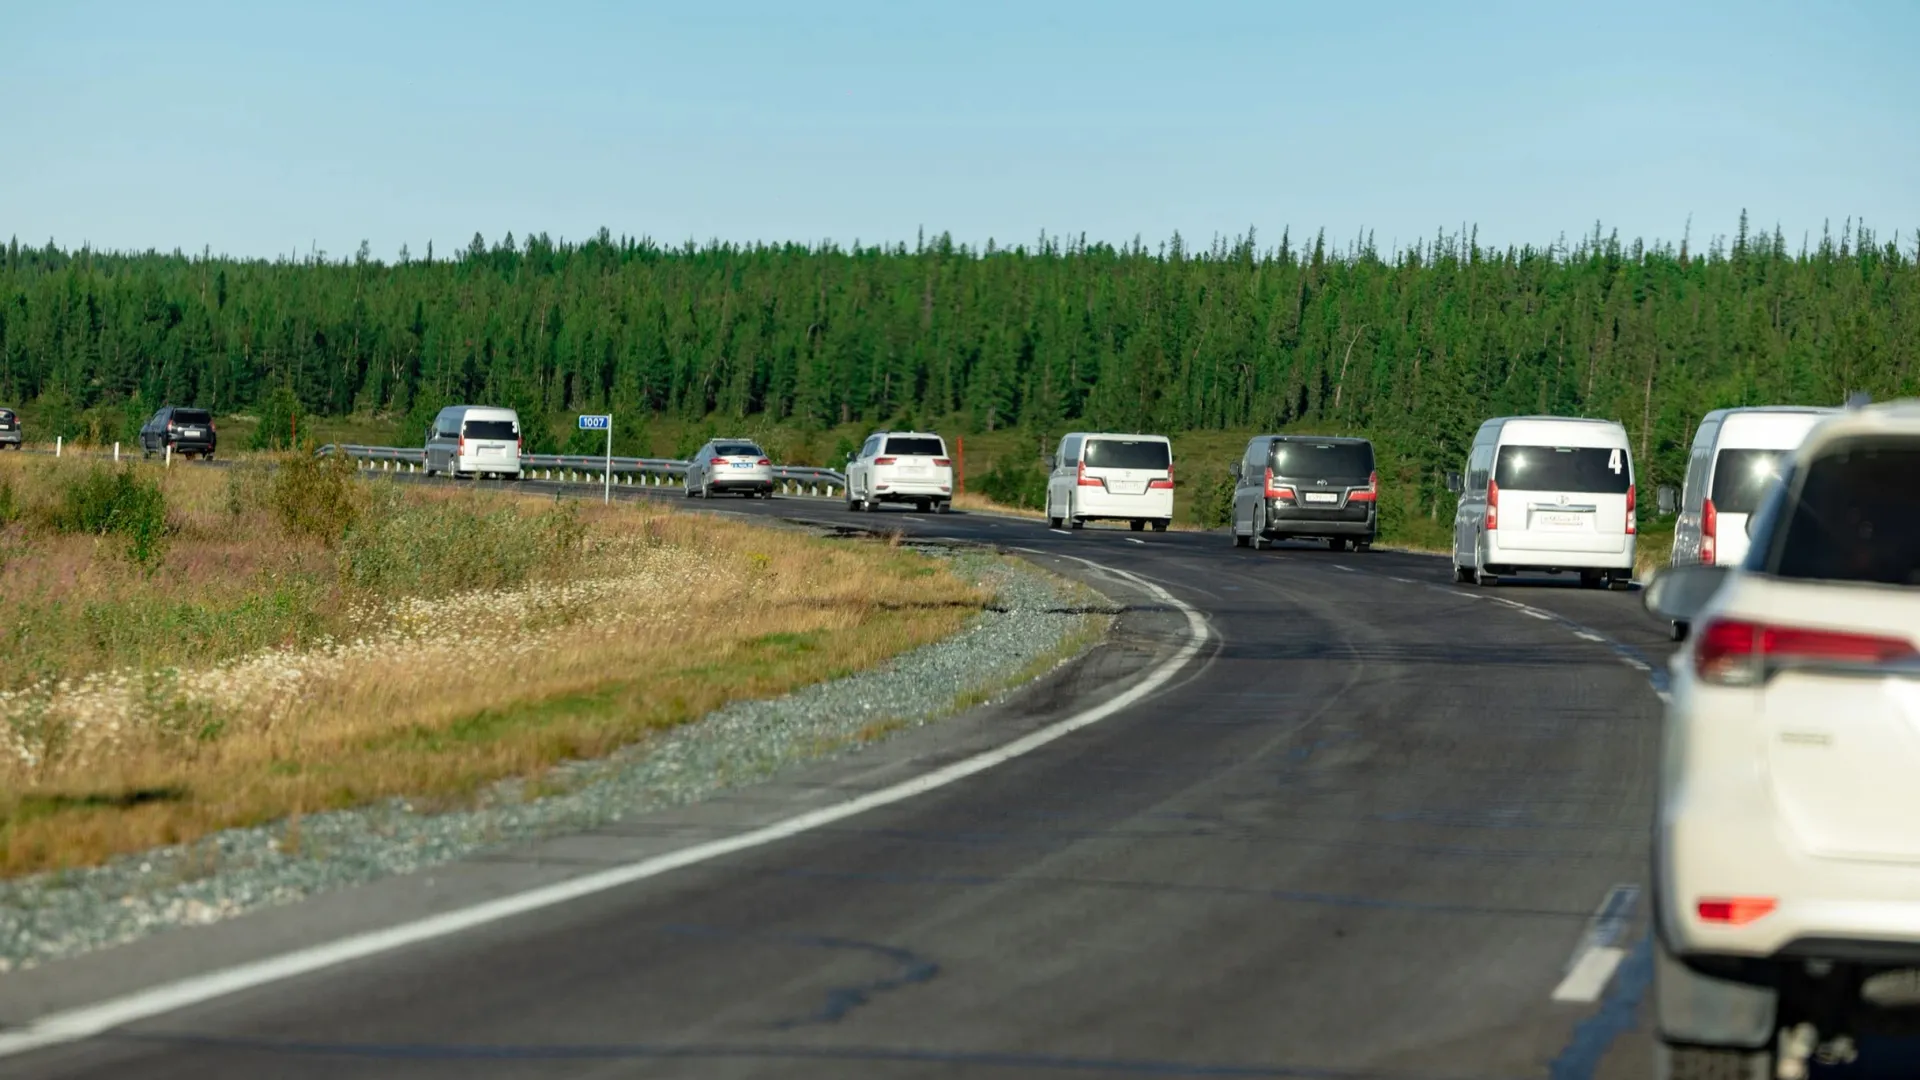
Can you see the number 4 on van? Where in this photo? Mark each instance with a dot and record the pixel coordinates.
(1613, 461)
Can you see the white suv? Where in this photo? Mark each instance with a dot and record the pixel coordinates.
(1787, 836)
(900, 466)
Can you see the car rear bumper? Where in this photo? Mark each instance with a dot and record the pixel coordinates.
(9, 436)
(889, 488)
(193, 446)
(1501, 555)
(489, 466)
(1097, 503)
(1824, 908)
(734, 483)
(1355, 520)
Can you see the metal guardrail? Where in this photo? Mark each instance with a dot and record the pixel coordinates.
(592, 469)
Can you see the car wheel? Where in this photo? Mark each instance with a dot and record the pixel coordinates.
(1676, 631)
(1137, 525)
(1590, 579)
(1239, 540)
(1620, 583)
(1258, 541)
(1462, 575)
(1364, 545)
(924, 506)
(1161, 524)
(1480, 575)
(943, 506)
(1336, 544)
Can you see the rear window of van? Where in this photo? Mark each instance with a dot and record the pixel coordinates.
(490, 429)
(1149, 454)
(1591, 470)
(916, 446)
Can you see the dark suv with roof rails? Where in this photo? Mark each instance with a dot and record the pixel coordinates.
(188, 431)
(1306, 487)
(9, 429)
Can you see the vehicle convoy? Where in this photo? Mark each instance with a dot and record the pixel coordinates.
(474, 440)
(903, 467)
(1100, 476)
(1735, 458)
(9, 429)
(1546, 494)
(186, 431)
(730, 465)
(1306, 487)
(1786, 865)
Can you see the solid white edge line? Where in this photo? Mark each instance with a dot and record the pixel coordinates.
(1590, 974)
(88, 1020)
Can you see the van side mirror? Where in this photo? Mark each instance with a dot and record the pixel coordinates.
(1679, 593)
(1669, 499)
(1053, 462)
(1453, 483)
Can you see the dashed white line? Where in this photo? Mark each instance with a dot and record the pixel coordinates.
(1597, 956)
(1344, 569)
(1590, 974)
(89, 1020)
(1584, 636)
(1131, 540)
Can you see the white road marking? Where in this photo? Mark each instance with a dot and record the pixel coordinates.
(1062, 532)
(89, 1020)
(1537, 613)
(1590, 974)
(1598, 956)
(1583, 635)
(1131, 540)
(1401, 580)
(1344, 569)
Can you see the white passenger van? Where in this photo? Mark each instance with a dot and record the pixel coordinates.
(474, 440)
(1100, 476)
(1736, 457)
(1546, 494)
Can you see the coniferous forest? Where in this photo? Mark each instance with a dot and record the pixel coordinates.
(1412, 347)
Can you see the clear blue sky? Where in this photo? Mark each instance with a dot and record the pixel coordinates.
(266, 128)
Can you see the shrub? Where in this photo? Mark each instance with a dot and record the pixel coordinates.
(402, 548)
(9, 504)
(107, 502)
(1011, 484)
(315, 496)
(1211, 504)
(280, 422)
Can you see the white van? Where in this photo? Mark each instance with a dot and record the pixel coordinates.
(1101, 476)
(474, 440)
(1736, 457)
(1546, 494)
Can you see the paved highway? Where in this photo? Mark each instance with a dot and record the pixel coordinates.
(1373, 828)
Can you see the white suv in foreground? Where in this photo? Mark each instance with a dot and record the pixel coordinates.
(900, 466)
(1787, 836)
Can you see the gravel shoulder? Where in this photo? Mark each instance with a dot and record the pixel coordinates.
(1038, 622)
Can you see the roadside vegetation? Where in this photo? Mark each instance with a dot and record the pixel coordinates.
(191, 649)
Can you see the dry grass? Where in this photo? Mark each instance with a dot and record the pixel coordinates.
(258, 672)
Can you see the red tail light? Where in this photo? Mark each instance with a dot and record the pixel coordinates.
(884, 460)
(1734, 652)
(1632, 525)
(1166, 484)
(1493, 506)
(718, 461)
(1709, 533)
(1736, 910)
(1370, 493)
(520, 443)
(463, 446)
(763, 461)
(943, 463)
(1080, 478)
(1283, 492)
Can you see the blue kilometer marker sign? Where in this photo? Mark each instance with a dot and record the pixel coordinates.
(602, 423)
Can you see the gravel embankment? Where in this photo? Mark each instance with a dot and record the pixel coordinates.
(51, 916)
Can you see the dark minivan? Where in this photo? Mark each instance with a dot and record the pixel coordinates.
(188, 431)
(1306, 487)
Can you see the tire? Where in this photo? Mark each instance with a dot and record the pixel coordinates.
(943, 506)
(1336, 544)
(1137, 525)
(1052, 522)
(1677, 631)
(1239, 541)
(1462, 575)
(1481, 577)
(1591, 579)
(1161, 524)
(1076, 523)
(924, 506)
(1258, 540)
(1619, 584)
(1681, 1062)
(1363, 545)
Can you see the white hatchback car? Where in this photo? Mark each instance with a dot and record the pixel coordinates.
(1787, 835)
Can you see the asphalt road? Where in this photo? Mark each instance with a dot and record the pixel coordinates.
(1366, 833)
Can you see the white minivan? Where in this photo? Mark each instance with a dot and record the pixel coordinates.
(1100, 476)
(474, 440)
(1546, 494)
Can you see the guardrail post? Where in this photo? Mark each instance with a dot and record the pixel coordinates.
(116, 453)
(57, 440)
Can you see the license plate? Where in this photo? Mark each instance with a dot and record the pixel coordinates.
(1322, 497)
(191, 433)
(913, 470)
(1563, 521)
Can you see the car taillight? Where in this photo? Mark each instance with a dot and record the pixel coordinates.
(718, 461)
(520, 443)
(884, 460)
(1735, 910)
(944, 463)
(1735, 652)
(763, 461)
(1631, 525)
(1164, 485)
(1082, 480)
(1493, 506)
(1283, 492)
(463, 446)
(1709, 533)
(1370, 493)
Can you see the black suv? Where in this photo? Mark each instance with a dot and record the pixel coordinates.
(188, 431)
(1306, 487)
(9, 429)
